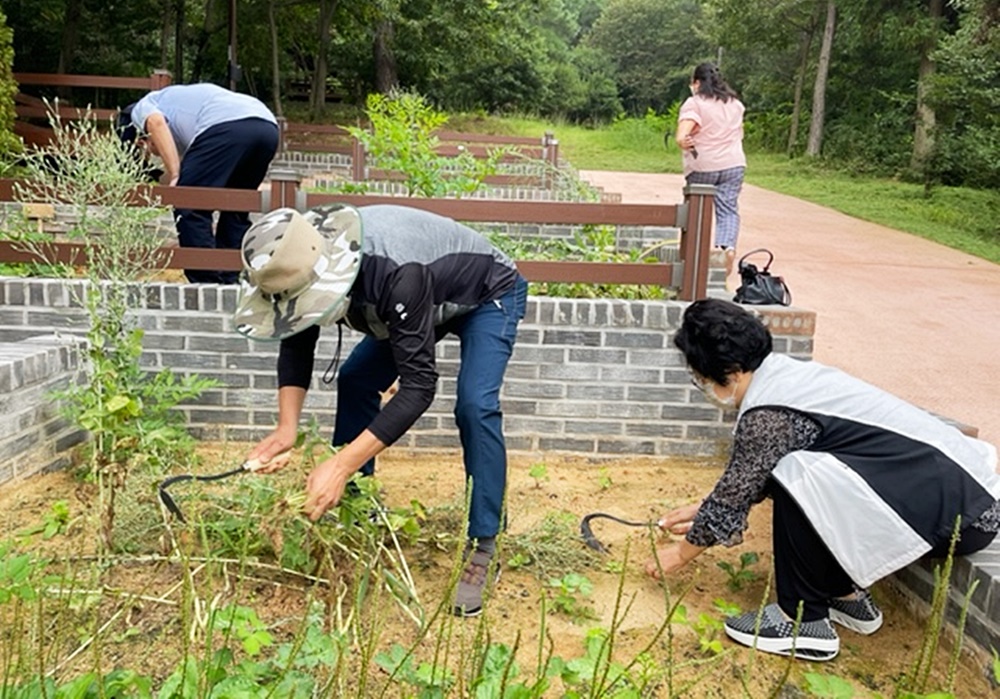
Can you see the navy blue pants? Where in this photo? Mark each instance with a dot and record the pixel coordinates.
(486, 337)
(235, 155)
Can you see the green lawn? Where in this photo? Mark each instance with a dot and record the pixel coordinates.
(965, 219)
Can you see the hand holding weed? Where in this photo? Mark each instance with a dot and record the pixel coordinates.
(324, 487)
(273, 452)
(670, 559)
(679, 520)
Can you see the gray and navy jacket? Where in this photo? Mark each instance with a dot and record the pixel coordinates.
(885, 481)
(419, 271)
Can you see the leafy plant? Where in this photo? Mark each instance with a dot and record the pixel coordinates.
(604, 479)
(129, 414)
(54, 521)
(430, 681)
(590, 243)
(16, 571)
(567, 593)
(740, 576)
(540, 472)
(828, 686)
(595, 667)
(402, 139)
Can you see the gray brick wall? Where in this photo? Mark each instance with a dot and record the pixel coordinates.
(592, 376)
(982, 622)
(34, 437)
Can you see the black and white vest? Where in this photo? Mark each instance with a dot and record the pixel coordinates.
(885, 481)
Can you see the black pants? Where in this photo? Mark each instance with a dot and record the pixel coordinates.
(805, 570)
(236, 155)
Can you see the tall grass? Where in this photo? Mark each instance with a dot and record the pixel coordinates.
(958, 217)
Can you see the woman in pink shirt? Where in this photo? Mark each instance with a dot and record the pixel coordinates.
(710, 134)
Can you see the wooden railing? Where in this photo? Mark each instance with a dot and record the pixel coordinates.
(330, 138)
(693, 217)
(31, 107)
(313, 138)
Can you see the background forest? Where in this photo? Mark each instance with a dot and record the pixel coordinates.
(907, 88)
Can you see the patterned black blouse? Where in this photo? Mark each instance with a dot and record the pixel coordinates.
(762, 437)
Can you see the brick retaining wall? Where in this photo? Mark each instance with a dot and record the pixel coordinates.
(590, 377)
(34, 437)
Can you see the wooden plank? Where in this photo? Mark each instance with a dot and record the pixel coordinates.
(212, 259)
(487, 138)
(64, 112)
(597, 272)
(541, 212)
(66, 80)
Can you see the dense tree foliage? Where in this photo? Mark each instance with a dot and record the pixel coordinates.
(9, 144)
(901, 87)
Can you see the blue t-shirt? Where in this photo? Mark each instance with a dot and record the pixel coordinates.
(191, 109)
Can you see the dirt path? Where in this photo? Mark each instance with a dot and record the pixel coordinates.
(916, 318)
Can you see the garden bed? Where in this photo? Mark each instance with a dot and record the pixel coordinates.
(139, 610)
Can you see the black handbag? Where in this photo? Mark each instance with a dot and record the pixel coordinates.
(759, 286)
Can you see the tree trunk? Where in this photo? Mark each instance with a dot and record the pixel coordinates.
(70, 35)
(180, 18)
(207, 29)
(317, 95)
(166, 29)
(386, 77)
(272, 22)
(923, 133)
(819, 89)
(805, 47)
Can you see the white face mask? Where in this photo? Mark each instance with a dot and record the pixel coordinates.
(707, 388)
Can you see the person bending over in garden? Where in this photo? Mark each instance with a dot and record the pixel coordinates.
(862, 483)
(206, 136)
(404, 278)
(710, 134)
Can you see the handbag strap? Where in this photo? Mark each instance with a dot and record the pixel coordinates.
(770, 258)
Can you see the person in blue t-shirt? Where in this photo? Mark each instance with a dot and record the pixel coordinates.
(206, 136)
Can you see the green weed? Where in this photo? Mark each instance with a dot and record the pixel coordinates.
(54, 521)
(566, 595)
(740, 576)
(539, 472)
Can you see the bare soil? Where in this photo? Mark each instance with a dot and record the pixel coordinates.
(633, 488)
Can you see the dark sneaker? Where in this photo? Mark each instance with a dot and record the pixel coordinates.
(472, 583)
(816, 640)
(860, 614)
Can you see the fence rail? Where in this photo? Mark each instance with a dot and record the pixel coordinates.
(693, 217)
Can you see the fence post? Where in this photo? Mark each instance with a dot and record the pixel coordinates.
(159, 79)
(696, 240)
(285, 191)
(550, 150)
(282, 128)
(357, 160)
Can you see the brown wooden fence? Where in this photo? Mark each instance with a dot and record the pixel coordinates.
(693, 216)
(310, 138)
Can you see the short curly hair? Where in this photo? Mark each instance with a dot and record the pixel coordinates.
(718, 338)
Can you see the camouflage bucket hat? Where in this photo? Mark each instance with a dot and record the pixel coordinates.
(298, 270)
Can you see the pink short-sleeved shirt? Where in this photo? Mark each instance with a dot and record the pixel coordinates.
(718, 137)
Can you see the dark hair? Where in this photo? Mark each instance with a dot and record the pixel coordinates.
(711, 83)
(718, 337)
(126, 129)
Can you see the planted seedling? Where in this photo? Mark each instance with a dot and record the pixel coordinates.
(567, 596)
(738, 577)
(540, 472)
